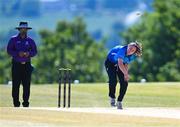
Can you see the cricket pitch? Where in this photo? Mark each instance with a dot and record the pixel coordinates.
(89, 117)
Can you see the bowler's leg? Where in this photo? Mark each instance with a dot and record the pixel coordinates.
(123, 86)
(123, 89)
(111, 71)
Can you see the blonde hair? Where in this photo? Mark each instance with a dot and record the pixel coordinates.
(138, 46)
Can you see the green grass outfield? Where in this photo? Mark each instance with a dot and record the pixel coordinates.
(95, 95)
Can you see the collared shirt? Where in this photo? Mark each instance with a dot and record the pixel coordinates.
(120, 52)
(17, 44)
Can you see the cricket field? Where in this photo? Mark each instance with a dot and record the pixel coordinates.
(145, 105)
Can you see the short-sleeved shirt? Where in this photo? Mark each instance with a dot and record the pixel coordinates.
(120, 52)
(17, 44)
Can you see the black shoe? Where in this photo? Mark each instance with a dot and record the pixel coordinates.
(16, 104)
(25, 104)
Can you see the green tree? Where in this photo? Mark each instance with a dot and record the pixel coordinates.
(5, 67)
(159, 33)
(72, 47)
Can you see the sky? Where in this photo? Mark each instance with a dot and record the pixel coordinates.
(48, 0)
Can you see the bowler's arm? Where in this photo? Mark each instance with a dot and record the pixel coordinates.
(124, 68)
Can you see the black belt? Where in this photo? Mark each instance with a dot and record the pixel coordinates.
(23, 63)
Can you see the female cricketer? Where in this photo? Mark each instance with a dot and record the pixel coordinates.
(116, 65)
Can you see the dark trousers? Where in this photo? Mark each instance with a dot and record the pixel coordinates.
(21, 73)
(113, 72)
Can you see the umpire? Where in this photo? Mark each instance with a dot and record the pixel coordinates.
(21, 47)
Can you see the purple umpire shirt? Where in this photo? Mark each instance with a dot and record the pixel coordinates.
(17, 44)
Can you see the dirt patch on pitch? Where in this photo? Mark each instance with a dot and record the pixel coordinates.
(173, 113)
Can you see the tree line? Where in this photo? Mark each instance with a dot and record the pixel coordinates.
(159, 33)
(70, 45)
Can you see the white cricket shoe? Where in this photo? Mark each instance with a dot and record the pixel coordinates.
(119, 105)
(112, 102)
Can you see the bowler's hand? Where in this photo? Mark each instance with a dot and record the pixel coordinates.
(21, 54)
(126, 77)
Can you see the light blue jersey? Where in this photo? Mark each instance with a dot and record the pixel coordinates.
(120, 52)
